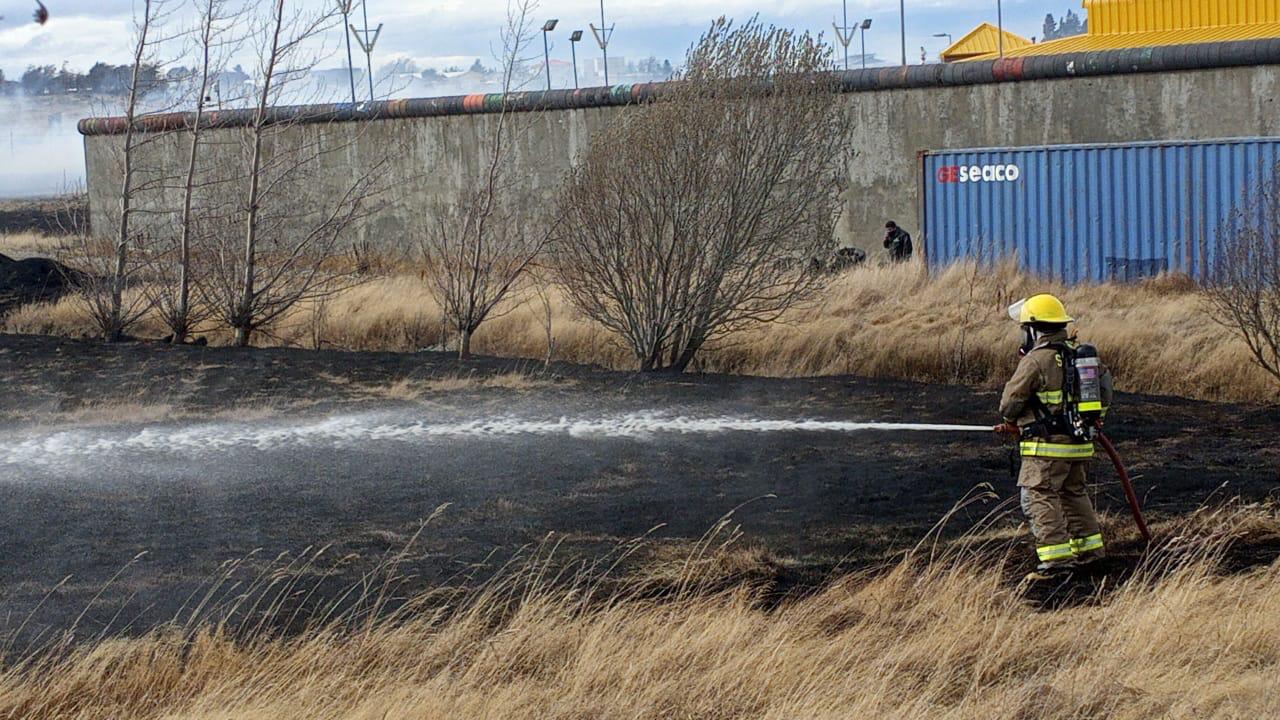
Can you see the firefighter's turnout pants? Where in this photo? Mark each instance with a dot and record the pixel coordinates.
(1057, 505)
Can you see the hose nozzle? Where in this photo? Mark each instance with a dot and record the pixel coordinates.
(1010, 429)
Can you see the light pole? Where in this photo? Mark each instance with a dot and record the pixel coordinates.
(344, 7)
(950, 42)
(547, 27)
(843, 34)
(902, 19)
(603, 35)
(366, 42)
(1000, 25)
(864, 27)
(573, 48)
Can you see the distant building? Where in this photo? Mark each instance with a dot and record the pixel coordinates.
(981, 42)
(1121, 24)
(561, 75)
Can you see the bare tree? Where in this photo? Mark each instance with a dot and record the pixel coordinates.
(482, 244)
(112, 265)
(699, 212)
(173, 278)
(1244, 288)
(281, 247)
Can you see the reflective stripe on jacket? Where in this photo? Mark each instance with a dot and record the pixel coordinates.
(1057, 451)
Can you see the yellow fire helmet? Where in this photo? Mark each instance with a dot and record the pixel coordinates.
(1040, 308)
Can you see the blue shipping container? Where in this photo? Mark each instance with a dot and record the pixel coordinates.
(1092, 212)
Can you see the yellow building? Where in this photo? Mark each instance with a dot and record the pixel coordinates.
(980, 41)
(1120, 24)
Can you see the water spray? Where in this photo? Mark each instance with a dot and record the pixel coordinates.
(75, 445)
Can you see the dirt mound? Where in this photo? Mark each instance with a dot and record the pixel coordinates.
(33, 280)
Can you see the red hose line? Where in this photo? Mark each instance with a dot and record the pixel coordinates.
(1129, 494)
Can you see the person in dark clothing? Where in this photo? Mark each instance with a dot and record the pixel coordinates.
(897, 241)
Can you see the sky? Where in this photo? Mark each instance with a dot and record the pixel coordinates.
(440, 33)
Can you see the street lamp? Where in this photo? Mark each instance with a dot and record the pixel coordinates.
(950, 42)
(864, 27)
(573, 47)
(547, 27)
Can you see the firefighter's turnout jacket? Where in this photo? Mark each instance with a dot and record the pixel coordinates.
(1039, 379)
(1053, 475)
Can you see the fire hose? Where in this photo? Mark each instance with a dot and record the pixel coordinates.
(1125, 482)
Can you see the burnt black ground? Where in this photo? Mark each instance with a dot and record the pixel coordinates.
(33, 280)
(52, 216)
(841, 500)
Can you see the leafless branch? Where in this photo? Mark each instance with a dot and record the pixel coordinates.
(1244, 290)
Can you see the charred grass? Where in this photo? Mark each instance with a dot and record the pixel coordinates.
(946, 632)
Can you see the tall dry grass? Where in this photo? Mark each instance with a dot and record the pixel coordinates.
(19, 245)
(947, 636)
(895, 321)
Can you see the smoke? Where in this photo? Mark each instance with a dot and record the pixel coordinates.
(41, 152)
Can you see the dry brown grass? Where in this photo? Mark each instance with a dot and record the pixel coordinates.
(892, 321)
(33, 244)
(116, 412)
(895, 321)
(941, 638)
(414, 389)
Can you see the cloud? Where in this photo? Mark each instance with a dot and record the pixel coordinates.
(78, 41)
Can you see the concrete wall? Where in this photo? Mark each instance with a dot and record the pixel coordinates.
(431, 157)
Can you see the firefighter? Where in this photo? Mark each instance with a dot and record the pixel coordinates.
(1056, 435)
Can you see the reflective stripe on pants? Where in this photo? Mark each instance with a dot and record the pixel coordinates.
(1089, 544)
(1056, 451)
(1053, 553)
